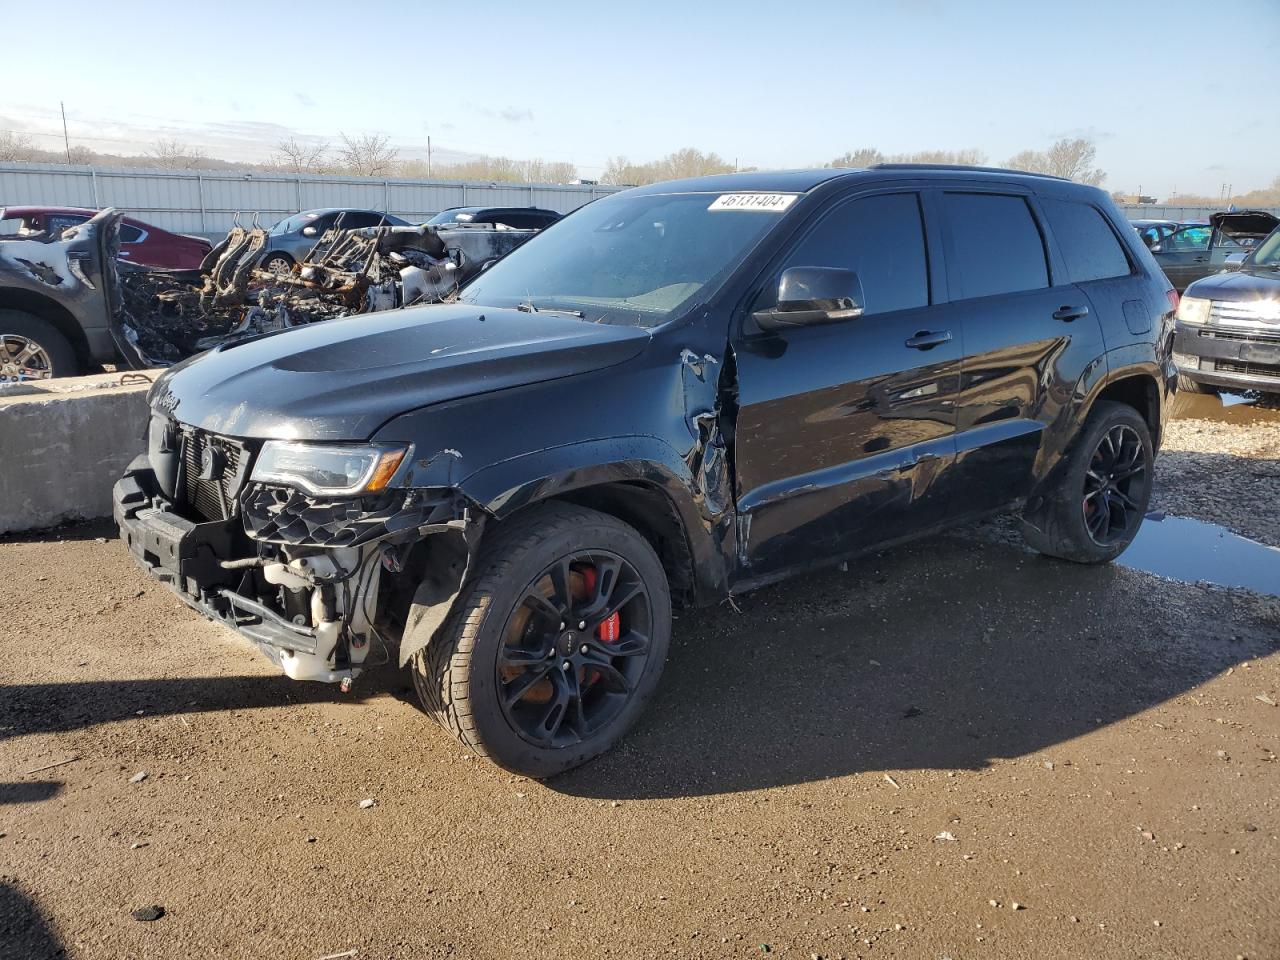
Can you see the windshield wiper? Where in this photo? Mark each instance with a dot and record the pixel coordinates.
(527, 306)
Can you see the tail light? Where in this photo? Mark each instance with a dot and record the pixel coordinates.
(1174, 299)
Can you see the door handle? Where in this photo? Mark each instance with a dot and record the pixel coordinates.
(928, 339)
(1201, 260)
(1067, 314)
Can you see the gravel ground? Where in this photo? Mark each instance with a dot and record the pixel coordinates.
(954, 749)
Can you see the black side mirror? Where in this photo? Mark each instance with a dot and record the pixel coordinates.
(813, 295)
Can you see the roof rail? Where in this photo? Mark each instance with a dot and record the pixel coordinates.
(961, 166)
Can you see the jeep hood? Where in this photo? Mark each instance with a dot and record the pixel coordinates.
(342, 379)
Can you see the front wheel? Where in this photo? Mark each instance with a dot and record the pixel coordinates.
(31, 348)
(278, 264)
(1097, 505)
(1187, 385)
(556, 643)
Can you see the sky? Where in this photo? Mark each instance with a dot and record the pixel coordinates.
(1177, 95)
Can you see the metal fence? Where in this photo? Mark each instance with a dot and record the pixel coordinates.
(205, 201)
(1156, 211)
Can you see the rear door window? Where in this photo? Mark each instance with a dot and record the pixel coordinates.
(996, 246)
(881, 238)
(1088, 244)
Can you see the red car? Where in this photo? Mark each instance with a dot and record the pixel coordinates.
(140, 243)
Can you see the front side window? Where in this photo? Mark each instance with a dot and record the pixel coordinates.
(1088, 245)
(880, 238)
(995, 245)
(1188, 238)
(632, 260)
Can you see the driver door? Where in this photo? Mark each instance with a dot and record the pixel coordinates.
(844, 430)
(1184, 255)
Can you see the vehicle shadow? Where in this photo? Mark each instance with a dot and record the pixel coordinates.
(944, 655)
(24, 932)
(29, 792)
(61, 707)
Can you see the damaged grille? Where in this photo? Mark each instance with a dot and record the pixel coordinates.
(212, 474)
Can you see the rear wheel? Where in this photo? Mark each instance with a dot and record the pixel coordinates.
(1187, 385)
(555, 645)
(1104, 486)
(31, 348)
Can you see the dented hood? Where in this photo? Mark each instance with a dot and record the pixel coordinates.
(342, 379)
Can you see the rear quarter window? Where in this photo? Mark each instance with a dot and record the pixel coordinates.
(995, 245)
(1088, 244)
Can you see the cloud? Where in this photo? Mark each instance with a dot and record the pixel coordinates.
(512, 115)
(1084, 133)
(303, 99)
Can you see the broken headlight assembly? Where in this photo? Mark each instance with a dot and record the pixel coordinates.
(329, 470)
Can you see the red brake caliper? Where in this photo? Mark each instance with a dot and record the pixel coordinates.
(610, 629)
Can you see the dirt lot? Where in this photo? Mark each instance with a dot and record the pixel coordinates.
(1101, 745)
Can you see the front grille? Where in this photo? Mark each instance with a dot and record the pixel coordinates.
(1237, 313)
(1248, 369)
(211, 497)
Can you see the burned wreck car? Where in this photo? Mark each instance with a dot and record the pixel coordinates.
(167, 316)
(67, 303)
(680, 392)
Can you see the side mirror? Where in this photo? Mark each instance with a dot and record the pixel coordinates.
(308, 231)
(1156, 248)
(1234, 261)
(813, 295)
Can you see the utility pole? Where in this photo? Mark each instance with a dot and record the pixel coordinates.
(428, 156)
(66, 141)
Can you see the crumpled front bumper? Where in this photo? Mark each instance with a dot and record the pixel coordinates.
(188, 557)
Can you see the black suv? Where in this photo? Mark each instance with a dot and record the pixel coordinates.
(680, 392)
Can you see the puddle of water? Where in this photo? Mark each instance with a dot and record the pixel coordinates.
(1194, 551)
(1227, 407)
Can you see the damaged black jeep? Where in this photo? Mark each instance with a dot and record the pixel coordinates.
(677, 393)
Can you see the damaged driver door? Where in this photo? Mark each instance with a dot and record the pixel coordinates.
(845, 429)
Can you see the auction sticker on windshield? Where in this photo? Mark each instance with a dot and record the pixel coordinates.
(764, 202)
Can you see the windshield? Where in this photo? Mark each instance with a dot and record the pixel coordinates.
(451, 216)
(631, 260)
(292, 224)
(1268, 252)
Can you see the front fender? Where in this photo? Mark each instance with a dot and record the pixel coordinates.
(511, 485)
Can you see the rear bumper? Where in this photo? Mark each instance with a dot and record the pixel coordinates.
(188, 556)
(1228, 358)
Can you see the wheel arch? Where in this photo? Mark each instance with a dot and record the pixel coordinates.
(54, 313)
(1136, 387)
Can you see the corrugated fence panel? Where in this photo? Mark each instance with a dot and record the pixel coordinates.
(1155, 211)
(204, 201)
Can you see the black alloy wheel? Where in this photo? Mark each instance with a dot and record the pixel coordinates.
(574, 649)
(1115, 486)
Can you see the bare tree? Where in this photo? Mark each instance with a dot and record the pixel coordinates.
(862, 157)
(688, 162)
(176, 154)
(368, 155)
(16, 146)
(298, 157)
(1069, 158)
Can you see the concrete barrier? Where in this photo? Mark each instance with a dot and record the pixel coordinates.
(63, 443)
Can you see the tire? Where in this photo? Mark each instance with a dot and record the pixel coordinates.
(465, 676)
(278, 263)
(1064, 526)
(20, 332)
(1187, 385)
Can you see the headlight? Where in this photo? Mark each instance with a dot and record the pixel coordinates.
(1193, 310)
(329, 470)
